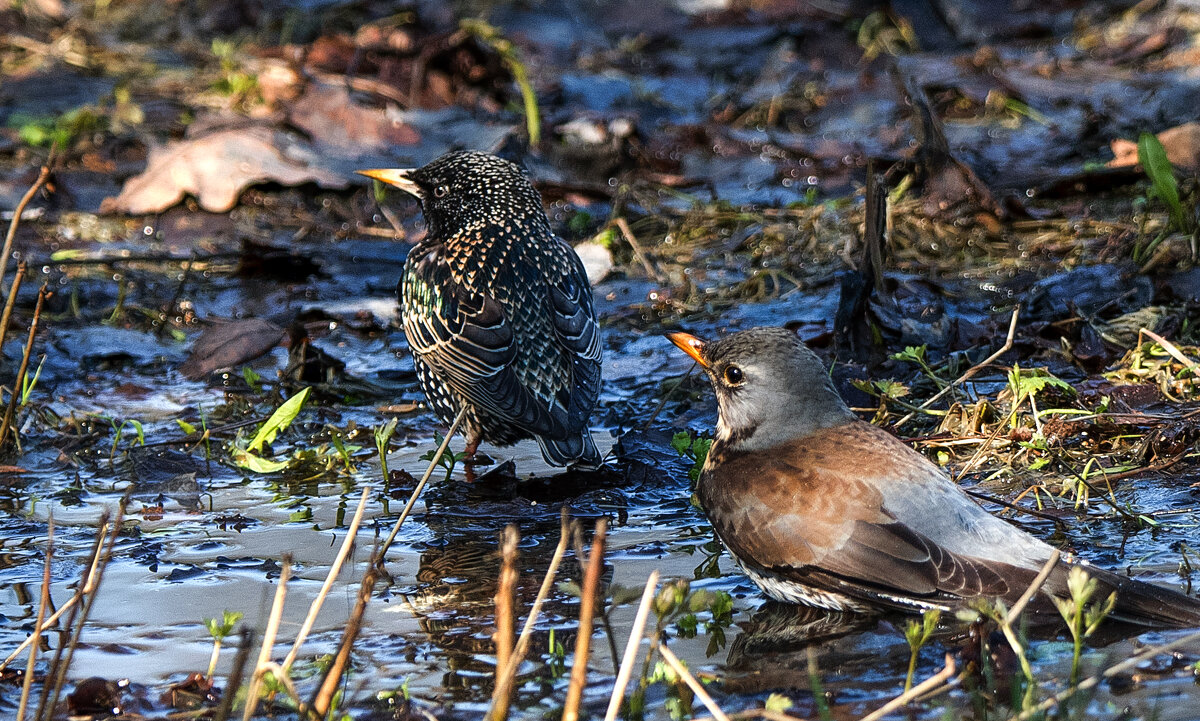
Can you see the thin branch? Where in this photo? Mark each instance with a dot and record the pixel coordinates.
(673, 661)
(34, 647)
(916, 691)
(420, 486)
(334, 570)
(1008, 343)
(631, 648)
(6, 252)
(268, 641)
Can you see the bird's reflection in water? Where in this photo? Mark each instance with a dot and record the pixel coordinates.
(453, 598)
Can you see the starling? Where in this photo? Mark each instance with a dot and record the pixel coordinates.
(498, 310)
(822, 509)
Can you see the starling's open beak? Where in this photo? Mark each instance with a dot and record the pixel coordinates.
(689, 344)
(397, 177)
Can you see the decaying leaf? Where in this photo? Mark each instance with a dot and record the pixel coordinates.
(1182, 144)
(230, 343)
(340, 126)
(216, 168)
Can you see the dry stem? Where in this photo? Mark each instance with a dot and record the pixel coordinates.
(505, 589)
(315, 608)
(420, 486)
(587, 610)
(268, 642)
(673, 661)
(631, 648)
(27, 684)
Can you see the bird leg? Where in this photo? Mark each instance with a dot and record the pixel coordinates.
(473, 440)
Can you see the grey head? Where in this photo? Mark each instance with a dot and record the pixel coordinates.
(770, 387)
(468, 190)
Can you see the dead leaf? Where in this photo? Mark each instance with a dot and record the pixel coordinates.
(1181, 142)
(227, 344)
(339, 126)
(216, 168)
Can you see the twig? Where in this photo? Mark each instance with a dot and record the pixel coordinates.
(187, 273)
(673, 661)
(1169, 347)
(268, 641)
(627, 233)
(587, 609)
(1008, 343)
(1109, 672)
(235, 677)
(631, 648)
(1013, 506)
(315, 608)
(919, 690)
(324, 696)
(420, 486)
(509, 673)
(34, 647)
(23, 369)
(1015, 611)
(11, 301)
(502, 692)
(1038, 580)
(78, 617)
(42, 177)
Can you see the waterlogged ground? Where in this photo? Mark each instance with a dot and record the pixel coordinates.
(734, 143)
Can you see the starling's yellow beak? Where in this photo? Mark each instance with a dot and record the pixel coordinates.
(689, 344)
(397, 177)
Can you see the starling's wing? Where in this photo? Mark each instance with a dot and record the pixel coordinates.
(816, 512)
(463, 335)
(578, 334)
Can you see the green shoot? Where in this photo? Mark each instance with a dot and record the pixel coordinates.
(1153, 158)
(219, 630)
(447, 460)
(1082, 616)
(489, 35)
(252, 379)
(917, 634)
(29, 384)
(383, 436)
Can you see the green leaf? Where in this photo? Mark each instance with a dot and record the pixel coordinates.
(1153, 158)
(682, 442)
(279, 420)
(778, 703)
(187, 428)
(256, 463)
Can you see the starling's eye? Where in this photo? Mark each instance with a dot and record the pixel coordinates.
(733, 375)
(440, 191)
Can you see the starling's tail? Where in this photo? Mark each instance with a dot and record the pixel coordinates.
(578, 451)
(1142, 603)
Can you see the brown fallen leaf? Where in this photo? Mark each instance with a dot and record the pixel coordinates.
(340, 126)
(216, 168)
(230, 343)
(1181, 142)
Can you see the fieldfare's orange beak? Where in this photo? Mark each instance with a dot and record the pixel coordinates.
(689, 344)
(394, 176)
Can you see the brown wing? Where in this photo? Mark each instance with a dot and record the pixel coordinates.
(815, 511)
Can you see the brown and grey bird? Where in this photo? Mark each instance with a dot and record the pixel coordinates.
(821, 508)
(498, 310)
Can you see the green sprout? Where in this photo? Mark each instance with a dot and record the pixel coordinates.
(1082, 616)
(220, 630)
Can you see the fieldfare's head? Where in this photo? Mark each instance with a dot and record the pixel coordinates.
(770, 387)
(466, 190)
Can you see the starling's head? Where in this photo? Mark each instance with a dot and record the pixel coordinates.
(466, 190)
(770, 387)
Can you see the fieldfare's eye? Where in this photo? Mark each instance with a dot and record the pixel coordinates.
(733, 375)
(440, 191)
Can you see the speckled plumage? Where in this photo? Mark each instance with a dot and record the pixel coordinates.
(498, 311)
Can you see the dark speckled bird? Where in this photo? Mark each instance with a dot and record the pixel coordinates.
(498, 310)
(823, 509)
